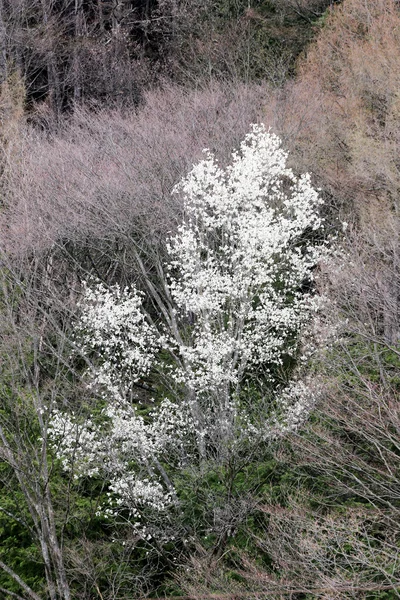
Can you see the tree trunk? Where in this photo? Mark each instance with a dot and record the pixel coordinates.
(3, 45)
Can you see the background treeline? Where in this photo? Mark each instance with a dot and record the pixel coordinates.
(106, 52)
(104, 106)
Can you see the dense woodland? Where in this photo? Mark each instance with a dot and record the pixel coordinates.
(272, 470)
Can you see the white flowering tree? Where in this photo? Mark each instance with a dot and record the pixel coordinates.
(217, 334)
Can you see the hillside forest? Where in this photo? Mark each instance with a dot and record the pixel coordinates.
(199, 299)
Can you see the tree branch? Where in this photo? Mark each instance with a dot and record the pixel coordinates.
(18, 579)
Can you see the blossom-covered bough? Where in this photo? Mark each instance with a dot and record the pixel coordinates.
(222, 332)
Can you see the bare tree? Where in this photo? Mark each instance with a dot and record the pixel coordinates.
(353, 443)
(25, 401)
(109, 174)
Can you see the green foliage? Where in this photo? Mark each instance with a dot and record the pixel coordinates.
(17, 547)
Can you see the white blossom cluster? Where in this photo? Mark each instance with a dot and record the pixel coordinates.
(113, 326)
(239, 260)
(293, 405)
(236, 308)
(126, 450)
